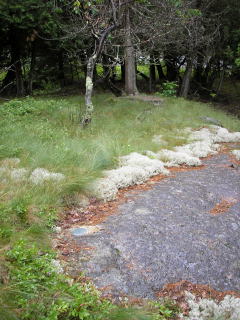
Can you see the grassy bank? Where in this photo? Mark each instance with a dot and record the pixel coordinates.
(45, 133)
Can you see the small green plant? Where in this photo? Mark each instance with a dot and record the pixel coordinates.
(169, 89)
(49, 216)
(5, 232)
(21, 210)
(163, 310)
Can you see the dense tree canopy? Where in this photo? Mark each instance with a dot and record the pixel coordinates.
(195, 43)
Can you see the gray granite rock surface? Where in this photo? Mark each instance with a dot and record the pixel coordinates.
(167, 234)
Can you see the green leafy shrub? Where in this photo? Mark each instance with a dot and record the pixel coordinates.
(169, 89)
(21, 210)
(40, 293)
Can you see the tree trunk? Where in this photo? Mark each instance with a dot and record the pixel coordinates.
(15, 71)
(199, 69)
(152, 75)
(186, 80)
(15, 41)
(130, 69)
(91, 66)
(171, 67)
(123, 72)
(19, 78)
(89, 90)
(32, 66)
(161, 75)
(222, 72)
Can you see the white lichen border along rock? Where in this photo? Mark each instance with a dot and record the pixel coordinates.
(204, 309)
(136, 168)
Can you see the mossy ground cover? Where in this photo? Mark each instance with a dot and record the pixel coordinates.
(46, 133)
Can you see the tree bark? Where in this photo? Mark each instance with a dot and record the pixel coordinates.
(161, 75)
(17, 63)
(186, 80)
(91, 65)
(19, 78)
(129, 57)
(123, 72)
(152, 75)
(171, 67)
(32, 67)
(15, 71)
(222, 72)
(89, 90)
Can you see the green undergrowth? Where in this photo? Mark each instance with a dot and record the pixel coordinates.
(46, 133)
(35, 291)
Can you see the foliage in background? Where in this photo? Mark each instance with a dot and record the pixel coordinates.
(169, 89)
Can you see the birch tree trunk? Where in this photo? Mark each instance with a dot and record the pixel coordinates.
(89, 90)
(91, 65)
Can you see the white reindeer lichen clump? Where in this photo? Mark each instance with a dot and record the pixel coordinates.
(175, 158)
(223, 135)
(40, 175)
(19, 174)
(136, 168)
(151, 166)
(205, 309)
(236, 153)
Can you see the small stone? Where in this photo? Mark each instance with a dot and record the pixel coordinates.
(57, 266)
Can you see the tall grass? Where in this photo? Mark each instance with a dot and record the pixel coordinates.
(46, 133)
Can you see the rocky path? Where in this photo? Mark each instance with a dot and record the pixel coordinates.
(186, 227)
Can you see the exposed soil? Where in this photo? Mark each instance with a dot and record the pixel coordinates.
(181, 233)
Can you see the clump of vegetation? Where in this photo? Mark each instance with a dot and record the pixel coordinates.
(169, 89)
(39, 292)
(164, 309)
